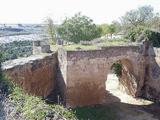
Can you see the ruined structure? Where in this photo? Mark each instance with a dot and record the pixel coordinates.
(80, 75)
(41, 47)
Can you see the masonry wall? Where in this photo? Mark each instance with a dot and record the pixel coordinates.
(80, 76)
(36, 74)
(87, 72)
(152, 81)
(62, 74)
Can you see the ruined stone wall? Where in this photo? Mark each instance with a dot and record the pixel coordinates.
(152, 81)
(80, 76)
(87, 72)
(35, 74)
(62, 73)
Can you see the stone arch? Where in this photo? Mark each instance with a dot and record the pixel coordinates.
(128, 81)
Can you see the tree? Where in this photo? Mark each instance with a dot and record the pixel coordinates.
(141, 20)
(111, 29)
(153, 37)
(155, 23)
(134, 33)
(118, 26)
(104, 29)
(50, 29)
(137, 17)
(77, 28)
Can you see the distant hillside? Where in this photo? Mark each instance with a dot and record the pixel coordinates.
(20, 29)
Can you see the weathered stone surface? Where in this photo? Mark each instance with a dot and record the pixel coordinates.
(80, 75)
(41, 47)
(152, 81)
(87, 72)
(35, 74)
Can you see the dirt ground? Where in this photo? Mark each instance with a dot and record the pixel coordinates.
(129, 108)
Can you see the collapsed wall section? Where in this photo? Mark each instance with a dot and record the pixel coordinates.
(35, 74)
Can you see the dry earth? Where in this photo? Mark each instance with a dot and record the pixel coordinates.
(129, 108)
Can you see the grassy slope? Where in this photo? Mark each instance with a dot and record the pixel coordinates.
(34, 108)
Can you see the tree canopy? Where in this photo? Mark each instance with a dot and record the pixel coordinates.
(104, 29)
(78, 28)
(142, 21)
(50, 29)
(137, 17)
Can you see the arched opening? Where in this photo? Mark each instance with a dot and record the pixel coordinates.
(121, 80)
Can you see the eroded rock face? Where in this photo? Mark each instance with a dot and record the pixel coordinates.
(35, 74)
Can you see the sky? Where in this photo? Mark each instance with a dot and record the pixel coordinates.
(35, 11)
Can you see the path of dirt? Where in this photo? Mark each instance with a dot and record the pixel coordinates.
(129, 108)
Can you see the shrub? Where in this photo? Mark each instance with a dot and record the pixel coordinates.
(153, 37)
(117, 69)
(134, 33)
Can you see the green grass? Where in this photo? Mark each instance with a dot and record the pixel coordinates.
(114, 42)
(99, 112)
(73, 47)
(34, 108)
(89, 47)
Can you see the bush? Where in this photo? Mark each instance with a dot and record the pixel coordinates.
(117, 69)
(134, 33)
(153, 37)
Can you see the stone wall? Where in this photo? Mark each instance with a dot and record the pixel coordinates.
(80, 76)
(41, 47)
(87, 72)
(152, 81)
(62, 74)
(36, 74)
